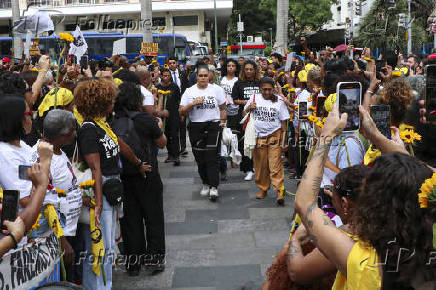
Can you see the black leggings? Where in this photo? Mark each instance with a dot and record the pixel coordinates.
(205, 139)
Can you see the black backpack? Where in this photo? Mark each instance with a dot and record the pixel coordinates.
(124, 127)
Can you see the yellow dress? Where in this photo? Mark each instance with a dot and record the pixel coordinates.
(362, 270)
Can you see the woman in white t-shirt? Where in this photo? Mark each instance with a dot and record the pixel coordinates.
(230, 72)
(206, 109)
(15, 122)
(270, 117)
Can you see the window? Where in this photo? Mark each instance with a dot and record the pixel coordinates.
(5, 4)
(191, 20)
(72, 2)
(159, 21)
(115, 1)
(133, 44)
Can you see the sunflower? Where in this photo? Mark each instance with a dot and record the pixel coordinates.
(66, 36)
(320, 124)
(428, 188)
(312, 108)
(409, 136)
(60, 192)
(312, 118)
(87, 184)
(286, 86)
(164, 92)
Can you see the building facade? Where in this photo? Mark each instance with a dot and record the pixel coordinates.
(191, 18)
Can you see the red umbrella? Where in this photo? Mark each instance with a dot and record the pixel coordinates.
(341, 47)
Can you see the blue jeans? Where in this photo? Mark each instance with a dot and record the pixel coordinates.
(107, 221)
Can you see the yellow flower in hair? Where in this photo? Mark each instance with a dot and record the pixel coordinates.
(66, 36)
(329, 102)
(428, 188)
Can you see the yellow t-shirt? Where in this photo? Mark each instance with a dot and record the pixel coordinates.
(362, 270)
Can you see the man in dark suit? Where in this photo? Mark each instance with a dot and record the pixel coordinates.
(180, 78)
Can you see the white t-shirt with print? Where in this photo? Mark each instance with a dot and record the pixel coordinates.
(268, 115)
(227, 85)
(148, 97)
(10, 158)
(62, 176)
(208, 110)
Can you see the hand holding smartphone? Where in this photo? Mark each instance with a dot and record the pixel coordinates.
(349, 98)
(9, 206)
(302, 110)
(381, 115)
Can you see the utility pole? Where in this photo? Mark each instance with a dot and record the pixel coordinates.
(270, 34)
(409, 27)
(17, 39)
(216, 27)
(282, 25)
(147, 20)
(240, 31)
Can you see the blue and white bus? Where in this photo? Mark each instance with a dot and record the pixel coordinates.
(100, 45)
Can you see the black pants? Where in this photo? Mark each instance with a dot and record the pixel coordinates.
(246, 164)
(205, 139)
(298, 147)
(183, 135)
(143, 206)
(172, 132)
(74, 271)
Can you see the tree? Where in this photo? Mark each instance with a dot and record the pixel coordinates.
(379, 28)
(304, 16)
(255, 22)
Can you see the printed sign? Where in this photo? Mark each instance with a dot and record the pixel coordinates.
(31, 266)
(34, 48)
(150, 48)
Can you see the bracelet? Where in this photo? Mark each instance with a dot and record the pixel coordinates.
(138, 165)
(14, 240)
(370, 92)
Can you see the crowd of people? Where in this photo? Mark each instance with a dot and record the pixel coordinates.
(89, 138)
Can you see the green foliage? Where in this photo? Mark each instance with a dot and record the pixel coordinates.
(304, 16)
(256, 22)
(380, 28)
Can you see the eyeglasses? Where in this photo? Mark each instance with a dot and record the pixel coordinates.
(203, 76)
(28, 113)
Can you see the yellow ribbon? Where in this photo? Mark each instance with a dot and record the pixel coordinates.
(53, 221)
(101, 122)
(97, 244)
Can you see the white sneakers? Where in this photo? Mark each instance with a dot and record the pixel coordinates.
(213, 193)
(205, 190)
(249, 176)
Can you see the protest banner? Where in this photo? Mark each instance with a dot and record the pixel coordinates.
(33, 265)
(149, 48)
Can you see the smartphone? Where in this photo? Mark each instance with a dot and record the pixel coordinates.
(302, 110)
(320, 109)
(73, 59)
(379, 63)
(10, 206)
(84, 62)
(349, 97)
(381, 114)
(430, 91)
(22, 172)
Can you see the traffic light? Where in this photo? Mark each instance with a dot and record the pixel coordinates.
(402, 20)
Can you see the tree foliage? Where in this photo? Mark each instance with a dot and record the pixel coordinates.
(380, 28)
(304, 16)
(255, 22)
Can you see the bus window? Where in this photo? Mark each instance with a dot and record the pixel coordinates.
(133, 45)
(5, 47)
(164, 46)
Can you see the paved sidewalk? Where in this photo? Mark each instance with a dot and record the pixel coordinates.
(224, 245)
